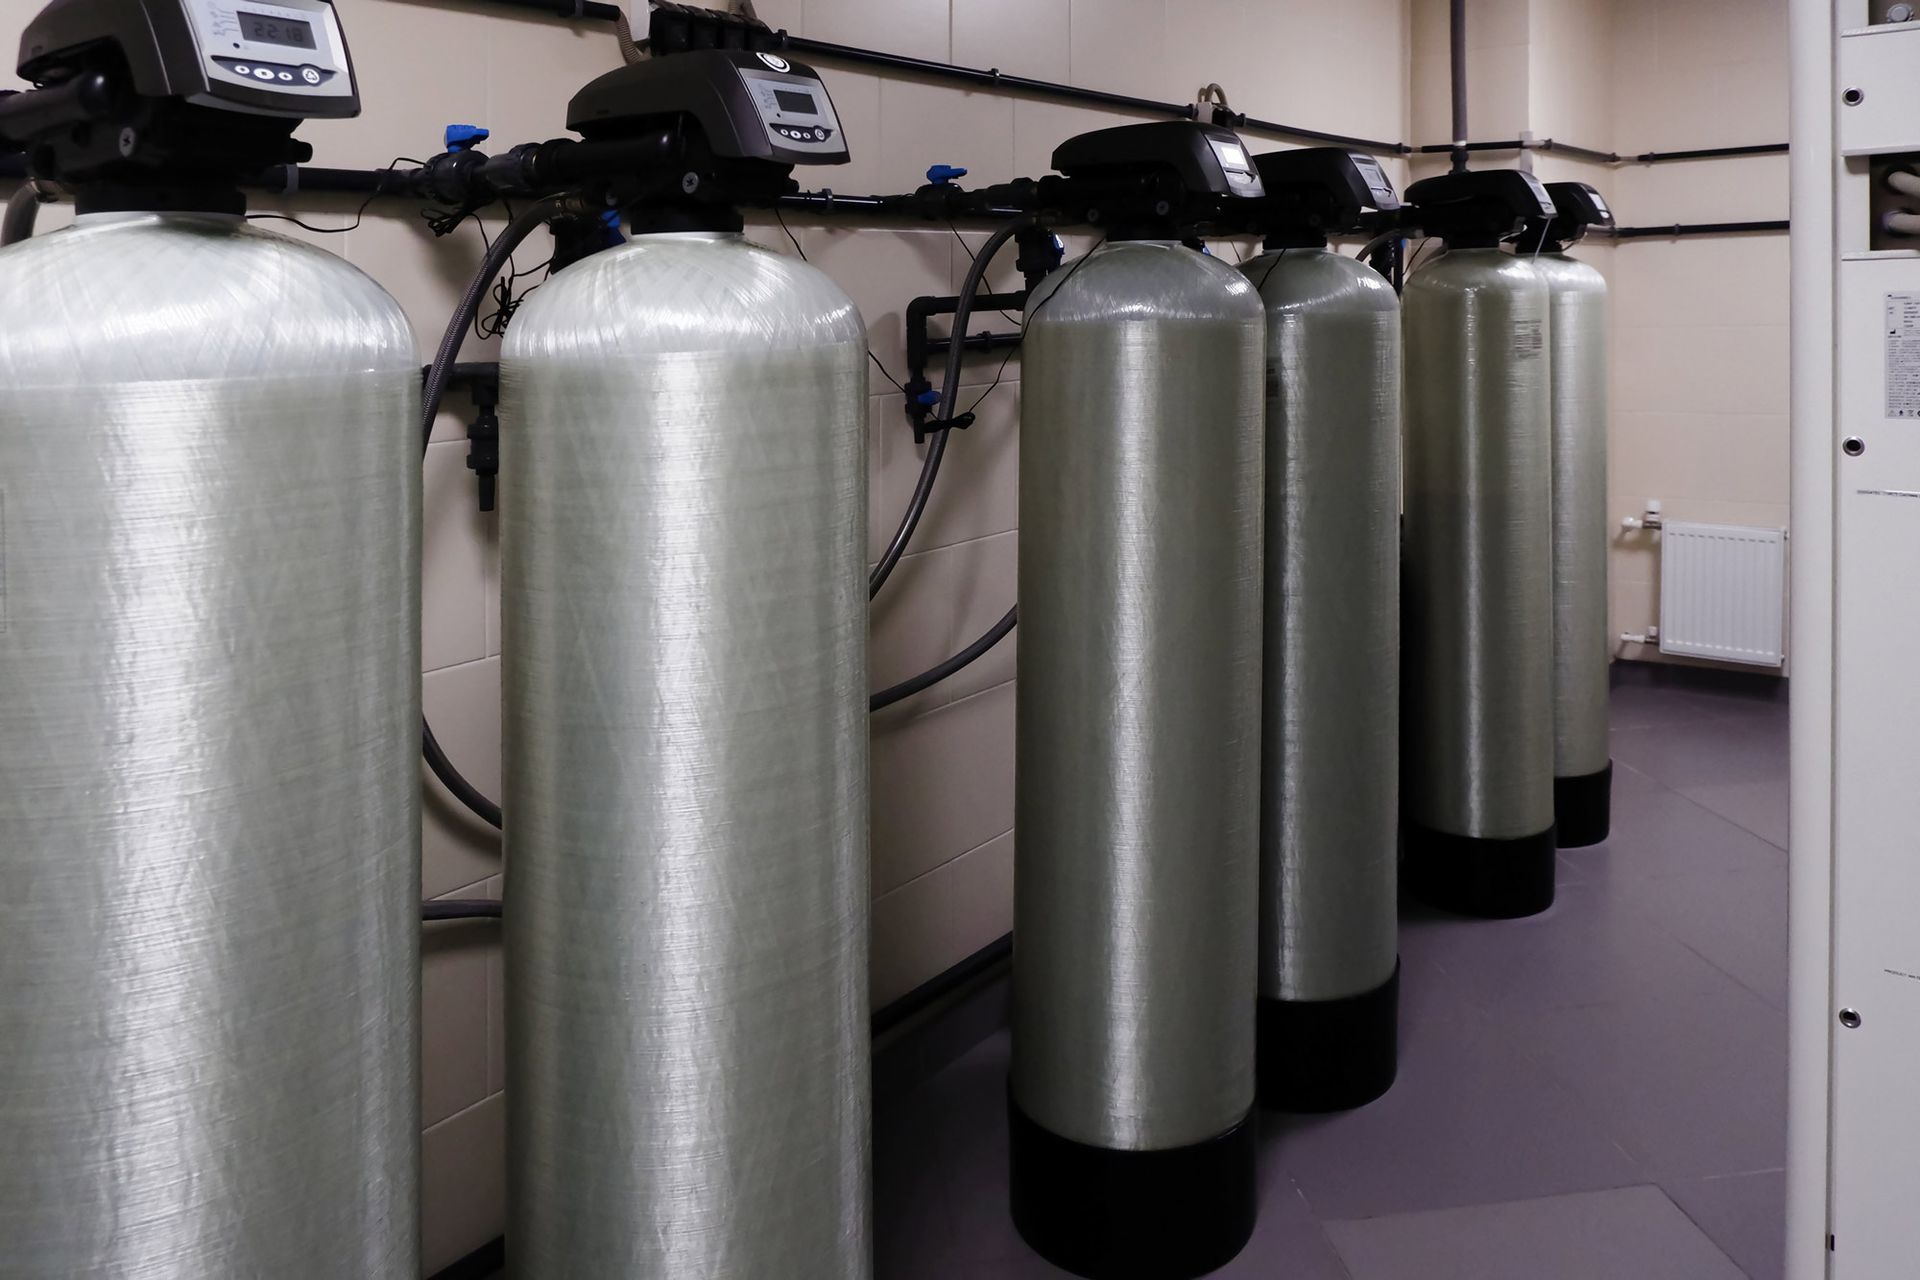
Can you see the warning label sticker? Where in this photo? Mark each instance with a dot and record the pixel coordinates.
(1530, 339)
(1903, 355)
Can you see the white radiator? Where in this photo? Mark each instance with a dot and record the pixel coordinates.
(1723, 592)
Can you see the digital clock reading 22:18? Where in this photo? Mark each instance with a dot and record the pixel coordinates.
(266, 29)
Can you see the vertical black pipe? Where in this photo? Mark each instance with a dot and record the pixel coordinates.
(1458, 36)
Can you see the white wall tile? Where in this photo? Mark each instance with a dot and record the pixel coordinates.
(882, 271)
(463, 705)
(455, 537)
(918, 28)
(922, 123)
(463, 1174)
(942, 784)
(1020, 37)
(932, 923)
(420, 68)
(1118, 46)
(978, 493)
(453, 1016)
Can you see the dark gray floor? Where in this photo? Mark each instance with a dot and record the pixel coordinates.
(1596, 1093)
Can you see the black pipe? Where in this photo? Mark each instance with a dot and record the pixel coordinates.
(1582, 153)
(1604, 157)
(1710, 153)
(991, 76)
(975, 342)
(1457, 49)
(1238, 120)
(1700, 229)
(460, 909)
(577, 10)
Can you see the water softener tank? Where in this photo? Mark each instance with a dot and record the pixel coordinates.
(1477, 773)
(685, 617)
(1582, 754)
(1138, 757)
(209, 721)
(1330, 771)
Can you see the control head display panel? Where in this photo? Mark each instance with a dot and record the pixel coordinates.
(747, 105)
(285, 58)
(289, 47)
(796, 110)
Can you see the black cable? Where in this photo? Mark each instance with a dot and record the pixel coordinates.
(965, 658)
(358, 214)
(460, 909)
(937, 442)
(499, 254)
(781, 218)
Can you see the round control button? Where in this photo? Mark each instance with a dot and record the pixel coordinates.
(262, 73)
(820, 135)
(310, 75)
(241, 68)
(286, 76)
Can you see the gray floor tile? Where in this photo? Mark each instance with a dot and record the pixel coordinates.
(1691, 1079)
(1633, 1233)
(1287, 1240)
(1759, 807)
(1592, 945)
(1661, 833)
(1735, 919)
(1745, 1216)
(1706, 751)
(1474, 1117)
(1626, 1036)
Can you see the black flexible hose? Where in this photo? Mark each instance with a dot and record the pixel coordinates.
(22, 211)
(965, 658)
(460, 909)
(950, 391)
(498, 255)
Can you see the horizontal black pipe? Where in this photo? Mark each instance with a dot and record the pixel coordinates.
(1608, 157)
(974, 342)
(1258, 125)
(991, 77)
(1580, 153)
(576, 10)
(1699, 229)
(1710, 153)
(460, 909)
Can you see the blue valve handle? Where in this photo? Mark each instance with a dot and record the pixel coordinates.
(460, 137)
(941, 174)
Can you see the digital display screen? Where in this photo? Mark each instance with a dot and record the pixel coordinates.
(265, 29)
(799, 104)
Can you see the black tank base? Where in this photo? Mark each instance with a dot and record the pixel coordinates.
(1329, 1055)
(1132, 1215)
(1583, 808)
(1471, 876)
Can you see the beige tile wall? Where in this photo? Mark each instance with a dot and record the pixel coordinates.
(1699, 394)
(942, 762)
(1700, 325)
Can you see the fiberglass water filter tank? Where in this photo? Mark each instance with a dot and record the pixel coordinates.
(1477, 777)
(1582, 752)
(209, 690)
(686, 762)
(209, 724)
(1138, 762)
(1330, 768)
